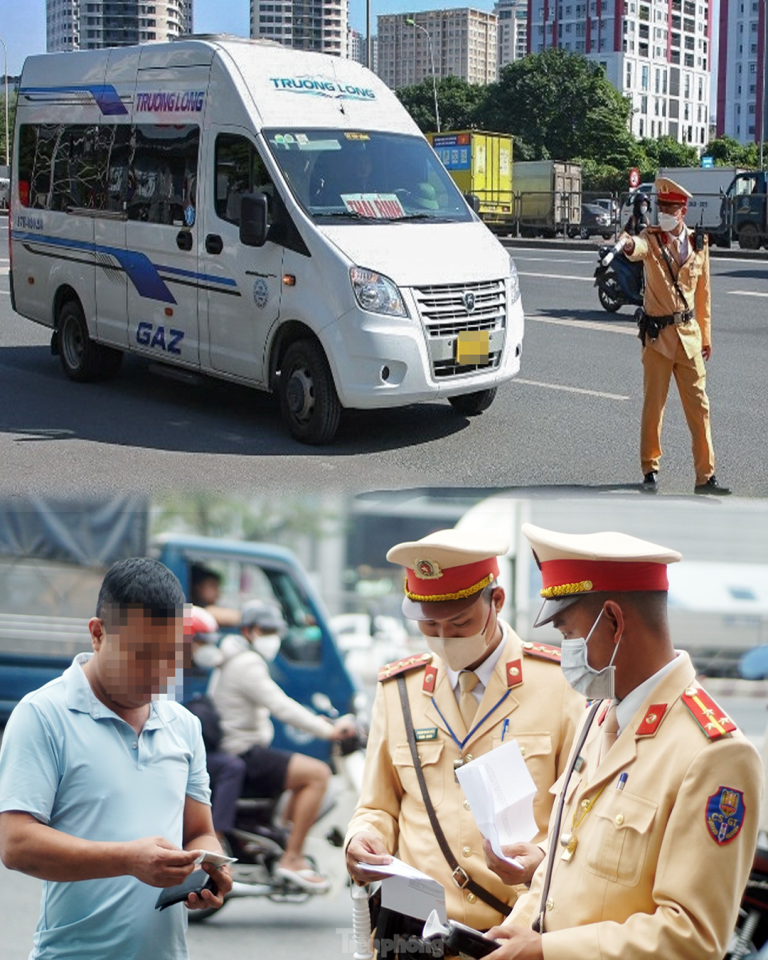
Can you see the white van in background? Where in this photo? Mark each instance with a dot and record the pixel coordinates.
(261, 214)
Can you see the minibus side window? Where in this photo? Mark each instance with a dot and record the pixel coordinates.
(239, 170)
(162, 172)
(36, 146)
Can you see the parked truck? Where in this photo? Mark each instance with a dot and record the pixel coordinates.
(708, 185)
(53, 558)
(745, 214)
(547, 196)
(480, 164)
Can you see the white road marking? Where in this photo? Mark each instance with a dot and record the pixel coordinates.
(556, 276)
(587, 325)
(559, 386)
(746, 293)
(549, 260)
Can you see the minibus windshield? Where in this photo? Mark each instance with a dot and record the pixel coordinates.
(339, 176)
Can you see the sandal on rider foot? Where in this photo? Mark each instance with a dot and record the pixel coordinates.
(306, 879)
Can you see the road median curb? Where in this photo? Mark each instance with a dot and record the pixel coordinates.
(585, 246)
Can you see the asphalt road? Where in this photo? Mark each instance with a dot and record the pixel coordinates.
(570, 419)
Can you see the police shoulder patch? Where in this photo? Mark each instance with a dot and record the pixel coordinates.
(542, 651)
(397, 667)
(725, 814)
(712, 719)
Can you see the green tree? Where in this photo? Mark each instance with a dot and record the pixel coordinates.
(457, 100)
(667, 152)
(561, 105)
(728, 152)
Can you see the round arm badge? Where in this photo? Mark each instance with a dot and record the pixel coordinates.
(725, 814)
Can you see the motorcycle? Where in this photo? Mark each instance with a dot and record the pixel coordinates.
(618, 281)
(750, 938)
(259, 836)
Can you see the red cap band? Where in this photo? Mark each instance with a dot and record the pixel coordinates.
(601, 575)
(455, 583)
(672, 198)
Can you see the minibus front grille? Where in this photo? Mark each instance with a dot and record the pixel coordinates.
(449, 368)
(446, 310)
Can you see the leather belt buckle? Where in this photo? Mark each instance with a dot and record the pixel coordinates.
(460, 877)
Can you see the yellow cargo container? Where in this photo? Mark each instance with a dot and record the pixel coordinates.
(479, 163)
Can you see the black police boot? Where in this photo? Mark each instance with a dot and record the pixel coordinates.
(712, 487)
(650, 484)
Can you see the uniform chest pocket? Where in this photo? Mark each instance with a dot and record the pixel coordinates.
(432, 763)
(619, 840)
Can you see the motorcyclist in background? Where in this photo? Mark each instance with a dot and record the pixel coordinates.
(639, 218)
(245, 695)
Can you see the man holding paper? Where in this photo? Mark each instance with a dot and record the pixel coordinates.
(103, 788)
(653, 832)
(480, 686)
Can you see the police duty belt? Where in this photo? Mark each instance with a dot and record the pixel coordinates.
(460, 876)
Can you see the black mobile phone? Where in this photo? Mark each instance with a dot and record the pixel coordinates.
(196, 882)
(466, 942)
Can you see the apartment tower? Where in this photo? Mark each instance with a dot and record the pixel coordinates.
(742, 110)
(319, 25)
(90, 24)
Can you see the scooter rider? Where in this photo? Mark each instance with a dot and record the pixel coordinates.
(245, 696)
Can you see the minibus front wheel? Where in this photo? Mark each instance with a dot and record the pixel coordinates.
(472, 404)
(81, 357)
(308, 400)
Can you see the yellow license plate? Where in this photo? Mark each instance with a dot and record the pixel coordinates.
(472, 346)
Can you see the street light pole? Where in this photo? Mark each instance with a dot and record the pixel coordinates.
(7, 138)
(763, 69)
(412, 23)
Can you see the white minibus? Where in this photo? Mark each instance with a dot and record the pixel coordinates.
(255, 213)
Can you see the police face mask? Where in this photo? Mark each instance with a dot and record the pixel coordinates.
(267, 646)
(459, 652)
(668, 222)
(591, 683)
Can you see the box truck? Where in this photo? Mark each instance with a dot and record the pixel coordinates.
(260, 214)
(547, 196)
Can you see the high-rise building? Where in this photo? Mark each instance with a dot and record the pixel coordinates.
(461, 42)
(89, 24)
(319, 25)
(513, 29)
(742, 110)
(656, 52)
(355, 45)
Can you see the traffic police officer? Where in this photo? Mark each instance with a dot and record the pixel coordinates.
(653, 830)
(480, 685)
(676, 332)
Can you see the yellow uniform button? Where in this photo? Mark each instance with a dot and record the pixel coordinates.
(522, 751)
(466, 804)
(471, 898)
(619, 819)
(468, 758)
(467, 851)
(584, 804)
(550, 903)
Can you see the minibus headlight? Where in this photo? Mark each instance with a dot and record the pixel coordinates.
(376, 293)
(514, 283)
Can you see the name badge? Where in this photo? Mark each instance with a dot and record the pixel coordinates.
(426, 733)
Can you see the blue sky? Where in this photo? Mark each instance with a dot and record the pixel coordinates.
(22, 22)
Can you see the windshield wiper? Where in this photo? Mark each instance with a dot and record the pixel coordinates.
(344, 214)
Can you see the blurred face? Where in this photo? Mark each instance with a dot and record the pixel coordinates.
(466, 639)
(136, 656)
(576, 621)
(676, 210)
(207, 592)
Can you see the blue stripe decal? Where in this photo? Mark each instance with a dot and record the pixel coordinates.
(206, 278)
(106, 96)
(142, 272)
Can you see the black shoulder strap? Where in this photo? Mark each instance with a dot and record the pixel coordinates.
(667, 258)
(554, 833)
(460, 876)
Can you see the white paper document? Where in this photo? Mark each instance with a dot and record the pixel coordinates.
(500, 792)
(407, 890)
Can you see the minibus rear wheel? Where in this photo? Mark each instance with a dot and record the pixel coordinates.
(308, 399)
(471, 404)
(83, 359)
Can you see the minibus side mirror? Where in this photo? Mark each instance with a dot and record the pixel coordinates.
(473, 202)
(253, 220)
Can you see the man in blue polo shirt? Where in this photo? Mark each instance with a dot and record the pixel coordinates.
(103, 788)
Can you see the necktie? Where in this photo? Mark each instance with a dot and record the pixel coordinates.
(467, 704)
(610, 731)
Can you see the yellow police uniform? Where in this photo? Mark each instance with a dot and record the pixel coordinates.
(658, 829)
(678, 349)
(527, 688)
(660, 865)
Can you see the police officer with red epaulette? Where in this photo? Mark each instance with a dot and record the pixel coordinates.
(479, 686)
(653, 832)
